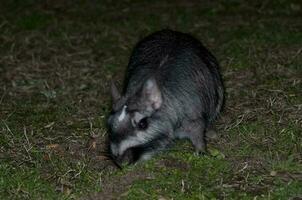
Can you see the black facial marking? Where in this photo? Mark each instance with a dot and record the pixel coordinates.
(143, 124)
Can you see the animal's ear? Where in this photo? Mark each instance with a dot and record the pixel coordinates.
(114, 92)
(151, 94)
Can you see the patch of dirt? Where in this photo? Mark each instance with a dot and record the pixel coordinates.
(116, 187)
(94, 151)
(173, 163)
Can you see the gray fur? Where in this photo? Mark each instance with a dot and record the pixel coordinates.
(173, 82)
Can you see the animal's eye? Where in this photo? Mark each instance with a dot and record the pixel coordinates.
(143, 123)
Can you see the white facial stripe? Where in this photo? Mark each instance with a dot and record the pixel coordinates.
(141, 137)
(128, 144)
(132, 141)
(123, 114)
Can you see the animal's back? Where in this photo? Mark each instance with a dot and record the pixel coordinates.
(185, 70)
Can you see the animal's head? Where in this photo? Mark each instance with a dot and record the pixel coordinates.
(132, 125)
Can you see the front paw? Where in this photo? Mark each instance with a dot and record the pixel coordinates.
(201, 151)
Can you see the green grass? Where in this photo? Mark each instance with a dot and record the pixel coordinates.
(56, 63)
(199, 175)
(24, 183)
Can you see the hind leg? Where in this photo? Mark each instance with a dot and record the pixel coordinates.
(195, 132)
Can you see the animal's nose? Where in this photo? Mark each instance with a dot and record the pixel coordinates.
(125, 158)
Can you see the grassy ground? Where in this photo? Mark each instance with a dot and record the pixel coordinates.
(57, 57)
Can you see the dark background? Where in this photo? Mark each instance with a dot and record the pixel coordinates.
(56, 62)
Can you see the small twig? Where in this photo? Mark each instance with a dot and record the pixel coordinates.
(182, 186)
(8, 128)
(2, 97)
(27, 149)
(295, 56)
(244, 167)
(10, 114)
(236, 124)
(24, 131)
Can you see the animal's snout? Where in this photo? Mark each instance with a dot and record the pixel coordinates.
(126, 157)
